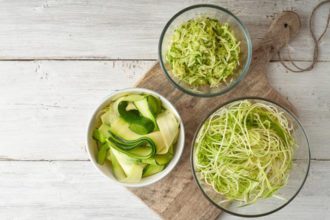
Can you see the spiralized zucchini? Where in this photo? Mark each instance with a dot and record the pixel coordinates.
(203, 51)
(244, 151)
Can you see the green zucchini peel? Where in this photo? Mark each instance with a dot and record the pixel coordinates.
(138, 123)
(128, 146)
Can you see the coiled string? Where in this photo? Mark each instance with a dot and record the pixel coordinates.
(296, 68)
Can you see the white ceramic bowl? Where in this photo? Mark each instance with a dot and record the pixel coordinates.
(105, 169)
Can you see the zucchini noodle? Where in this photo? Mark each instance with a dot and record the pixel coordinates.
(203, 51)
(245, 150)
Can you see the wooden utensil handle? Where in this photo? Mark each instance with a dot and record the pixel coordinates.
(285, 27)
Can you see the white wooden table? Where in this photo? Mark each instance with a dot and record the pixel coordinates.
(58, 59)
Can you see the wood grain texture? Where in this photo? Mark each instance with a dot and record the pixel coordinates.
(309, 92)
(72, 89)
(74, 190)
(177, 196)
(103, 29)
(44, 105)
(49, 103)
(64, 190)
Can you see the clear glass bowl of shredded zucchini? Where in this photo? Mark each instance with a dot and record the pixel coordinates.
(250, 157)
(205, 50)
(135, 137)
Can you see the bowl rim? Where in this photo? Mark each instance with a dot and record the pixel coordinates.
(179, 148)
(192, 156)
(241, 75)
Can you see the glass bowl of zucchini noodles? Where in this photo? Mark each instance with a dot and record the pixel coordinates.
(250, 157)
(205, 50)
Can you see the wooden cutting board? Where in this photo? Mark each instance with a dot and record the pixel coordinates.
(177, 196)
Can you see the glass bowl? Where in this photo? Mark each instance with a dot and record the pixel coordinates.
(224, 16)
(296, 180)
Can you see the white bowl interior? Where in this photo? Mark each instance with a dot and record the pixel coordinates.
(106, 169)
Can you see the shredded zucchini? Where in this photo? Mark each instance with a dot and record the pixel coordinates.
(244, 151)
(202, 52)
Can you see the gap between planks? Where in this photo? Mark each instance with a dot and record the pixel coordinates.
(87, 160)
(114, 60)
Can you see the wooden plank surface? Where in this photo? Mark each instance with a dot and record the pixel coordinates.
(44, 105)
(73, 190)
(49, 103)
(55, 99)
(72, 29)
(63, 190)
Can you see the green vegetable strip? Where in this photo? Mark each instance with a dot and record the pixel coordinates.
(98, 136)
(129, 116)
(125, 146)
(130, 139)
(155, 105)
(102, 154)
(244, 151)
(202, 52)
(138, 123)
